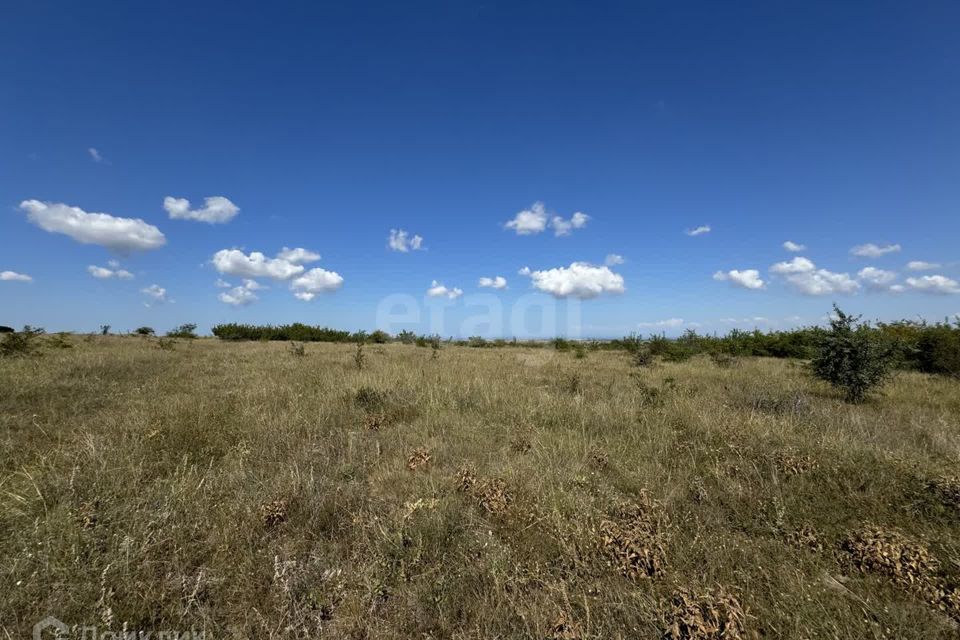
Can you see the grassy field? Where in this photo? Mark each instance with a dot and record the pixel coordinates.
(245, 491)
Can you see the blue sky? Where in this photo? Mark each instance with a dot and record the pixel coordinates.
(325, 126)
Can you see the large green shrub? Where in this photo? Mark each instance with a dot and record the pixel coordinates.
(853, 357)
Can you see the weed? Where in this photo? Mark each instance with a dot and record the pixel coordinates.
(712, 615)
(297, 349)
(358, 357)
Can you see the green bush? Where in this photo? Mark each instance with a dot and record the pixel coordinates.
(853, 357)
(938, 350)
(183, 331)
(144, 331)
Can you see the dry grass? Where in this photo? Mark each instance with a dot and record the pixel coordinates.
(485, 493)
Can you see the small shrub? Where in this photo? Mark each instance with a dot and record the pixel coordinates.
(358, 357)
(642, 357)
(166, 344)
(59, 341)
(297, 349)
(407, 337)
(20, 343)
(579, 352)
(144, 331)
(187, 331)
(104, 329)
(434, 347)
(938, 350)
(723, 360)
(852, 357)
(379, 337)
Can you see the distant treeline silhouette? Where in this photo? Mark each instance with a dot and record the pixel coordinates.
(921, 346)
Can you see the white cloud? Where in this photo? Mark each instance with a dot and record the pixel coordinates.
(239, 296)
(580, 280)
(822, 282)
(793, 247)
(746, 278)
(563, 227)
(438, 290)
(529, 221)
(524, 271)
(613, 259)
(158, 293)
(401, 241)
(753, 321)
(96, 155)
(797, 265)
(256, 265)
(315, 281)
(699, 231)
(498, 282)
(216, 210)
(222, 284)
(662, 324)
(920, 265)
(806, 278)
(298, 255)
(934, 284)
(13, 276)
(103, 273)
(877, 279)
(871, 250)
(118, 234)
(252, 285)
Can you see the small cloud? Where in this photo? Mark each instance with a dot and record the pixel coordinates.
(216, 209)
(699, 231)
(238, 297)
(96, 155)
(13, 276)
(524, 271)
(563, 227)
(529, 221)
(314, 282)
(794, 247)
(157, 293)
(498, 282)
(222, 284)
(940, 285)
(797, 265)
(298, 255)
(438, 290)
(233, 262)
(877, 279)
(613, 259)
(745, 278)
(401, 241)
(670, 323)
(580, 280)
(920, 265)
(102, 273)
(871, 250)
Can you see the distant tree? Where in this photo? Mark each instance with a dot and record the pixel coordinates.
(379, 337)
(144, 331)
(407, 337)
(104, 329)
(853, 357)
(183, 331)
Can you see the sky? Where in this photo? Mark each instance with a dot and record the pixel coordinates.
(478, 168)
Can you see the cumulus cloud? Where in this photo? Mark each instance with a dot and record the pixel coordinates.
(438, 290)
(871, 250)
(298, 255)
(216, 209)
(877, 279)
(117, 234)
(746, 278)
(920, 265)
(699, 231)
(529, 221)
(797, 265)
(241, 296)
(255, 265)
(104, 273)
(13, 276)
(157, 293)
(563, 227)
(401, 241)
(793, 247)
(314, 282)
(535, 220)
(804, 276)
(613, 259)
(934, 284)
(498, 282)
(580, 280)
